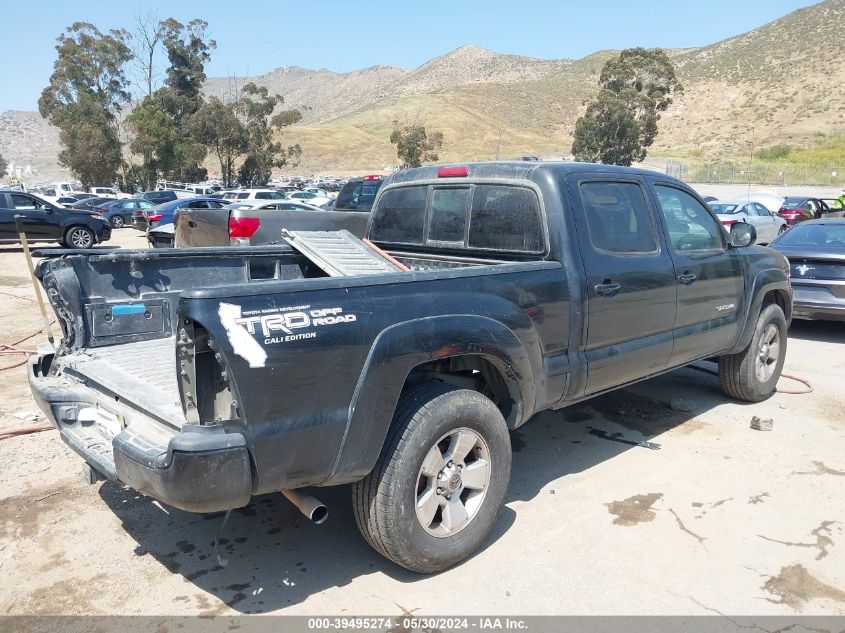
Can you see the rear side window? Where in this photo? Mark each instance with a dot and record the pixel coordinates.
(401, 216)
(505, 218)
(618, 218)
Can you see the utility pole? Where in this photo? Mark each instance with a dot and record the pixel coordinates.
(499, 145)
(751, 160)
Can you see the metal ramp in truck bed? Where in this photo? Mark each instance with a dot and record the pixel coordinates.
(341, 254)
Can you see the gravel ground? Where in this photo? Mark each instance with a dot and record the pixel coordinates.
(720, 519)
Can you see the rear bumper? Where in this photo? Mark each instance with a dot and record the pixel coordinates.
(197, 469)
(817, 302)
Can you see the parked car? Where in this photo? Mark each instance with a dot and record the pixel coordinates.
(159, 219)
(358, 194)
(281, 205)
(119, 212)
(108, 192)
(157, 197)
(772, 201)
(247, 195)
(768, 225)
(44, 221)
(815, 207)
(309, 197)
(87, 204)
(816, 253)
(272, 375)
(797, 212)
(254, 224)
(66, 201)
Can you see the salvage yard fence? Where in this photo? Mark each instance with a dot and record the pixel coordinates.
(763, 173)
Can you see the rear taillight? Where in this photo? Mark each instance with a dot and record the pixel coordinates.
(154, 217)
(453, 172)
(241, 229)
(372, 177)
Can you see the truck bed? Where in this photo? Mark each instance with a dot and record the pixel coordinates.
(141, 375)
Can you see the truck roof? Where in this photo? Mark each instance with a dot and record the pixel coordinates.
(515, 169)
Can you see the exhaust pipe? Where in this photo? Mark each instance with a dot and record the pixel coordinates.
(310, 506)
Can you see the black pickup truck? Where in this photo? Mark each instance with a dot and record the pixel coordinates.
(204, 376)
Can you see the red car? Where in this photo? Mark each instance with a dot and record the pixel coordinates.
(799, 209)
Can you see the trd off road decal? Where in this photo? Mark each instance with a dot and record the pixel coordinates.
(249, 331)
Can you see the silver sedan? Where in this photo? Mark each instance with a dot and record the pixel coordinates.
(768, 224)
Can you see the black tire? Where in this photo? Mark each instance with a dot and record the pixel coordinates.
(79, 237)
(385, 501)
(117, 221)
(739, 373)
(782, 229)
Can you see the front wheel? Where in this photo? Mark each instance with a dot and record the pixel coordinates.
(782, 229)
(440, 481)
(117, 221)
(753, 373)
(79, 237)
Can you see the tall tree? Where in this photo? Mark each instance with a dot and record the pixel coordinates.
(4, 165)
(216, 126)
(149, 32)
(620, 123)
(255, 107)
(414, 146)
(161, 123)
(87, 89)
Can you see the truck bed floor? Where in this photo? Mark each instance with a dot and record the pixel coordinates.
(142, 374)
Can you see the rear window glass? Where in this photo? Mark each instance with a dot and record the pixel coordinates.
(505, 218)
(401, 216)
(448, 215)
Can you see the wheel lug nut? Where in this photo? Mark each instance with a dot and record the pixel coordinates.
(449, 464)
(440, 491)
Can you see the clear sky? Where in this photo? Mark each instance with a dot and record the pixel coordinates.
(255, 36)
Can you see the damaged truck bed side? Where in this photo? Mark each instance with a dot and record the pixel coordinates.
(204, 376)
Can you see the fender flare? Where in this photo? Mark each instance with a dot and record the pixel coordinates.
(400, 348)
(764, 282)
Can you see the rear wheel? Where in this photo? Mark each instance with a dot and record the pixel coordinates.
(753, 373)
(79, 237)
(440, 481)
(782, 229)
(117, 221)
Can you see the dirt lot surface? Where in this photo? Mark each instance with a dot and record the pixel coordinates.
(720, 519)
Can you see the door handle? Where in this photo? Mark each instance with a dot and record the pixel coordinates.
(607, 288)
(687, 277)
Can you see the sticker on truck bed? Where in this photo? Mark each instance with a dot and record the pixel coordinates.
(250, 330)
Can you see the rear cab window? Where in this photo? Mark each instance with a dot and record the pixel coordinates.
(470, 217)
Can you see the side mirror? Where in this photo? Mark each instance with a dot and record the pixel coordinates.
(743, 234)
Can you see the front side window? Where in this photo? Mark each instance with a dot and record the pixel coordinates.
(690, 225)
(761, 210)
(618, 219)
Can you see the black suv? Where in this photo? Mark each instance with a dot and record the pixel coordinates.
(358, 194)
(158, 197)
(47, 222)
